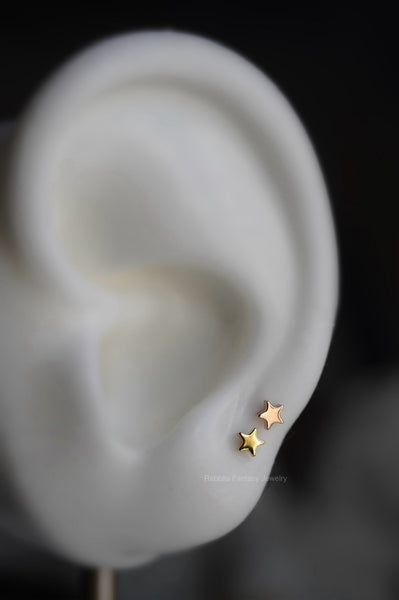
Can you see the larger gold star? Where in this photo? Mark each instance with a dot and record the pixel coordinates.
(250, 441)
(271, 414)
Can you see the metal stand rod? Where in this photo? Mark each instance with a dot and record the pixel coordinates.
(98, 584)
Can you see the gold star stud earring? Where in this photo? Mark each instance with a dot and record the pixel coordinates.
(250, 441)
(271, 414)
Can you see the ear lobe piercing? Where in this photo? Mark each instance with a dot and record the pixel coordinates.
(271, 414)
(250, 441)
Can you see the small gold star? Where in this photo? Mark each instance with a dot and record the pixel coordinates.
(271, 414)
(250, 441)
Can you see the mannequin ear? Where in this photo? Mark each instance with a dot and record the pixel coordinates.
(168, 206)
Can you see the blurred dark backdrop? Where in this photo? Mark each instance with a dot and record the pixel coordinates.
(331, 531)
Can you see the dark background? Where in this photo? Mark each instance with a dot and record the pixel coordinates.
(331, 531)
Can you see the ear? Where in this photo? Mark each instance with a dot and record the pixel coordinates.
(169, 208)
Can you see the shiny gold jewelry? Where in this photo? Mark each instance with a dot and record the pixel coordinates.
(250, 441)
(271, 414)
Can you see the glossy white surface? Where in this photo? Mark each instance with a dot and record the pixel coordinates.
(172, 265)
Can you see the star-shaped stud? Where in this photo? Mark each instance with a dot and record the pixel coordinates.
(250, 441)
(271, 414)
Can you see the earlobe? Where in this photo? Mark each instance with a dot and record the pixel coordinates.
(163, 186)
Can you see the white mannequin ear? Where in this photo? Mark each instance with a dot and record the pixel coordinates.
(173, 221)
